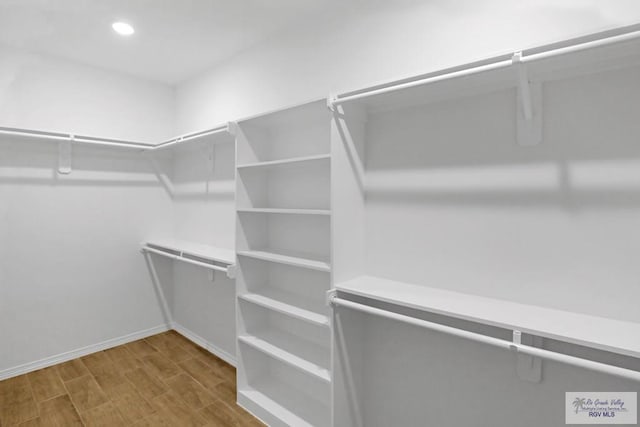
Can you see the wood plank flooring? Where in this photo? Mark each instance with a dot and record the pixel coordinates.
(163, 380)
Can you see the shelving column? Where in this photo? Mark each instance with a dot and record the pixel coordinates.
(283, 243)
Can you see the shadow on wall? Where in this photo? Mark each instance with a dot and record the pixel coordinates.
(205, 171)
(200, 171)
(464, 152)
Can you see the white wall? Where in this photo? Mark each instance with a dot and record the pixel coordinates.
(454, 202)
(204, 212)
(364, 43)
(71, 274)
(39, 92)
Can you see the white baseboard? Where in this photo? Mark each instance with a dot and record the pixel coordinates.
(74, 354)
(204, 343)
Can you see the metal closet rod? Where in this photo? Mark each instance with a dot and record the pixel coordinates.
(184, 259)
(496, 65)
(91, 140)
(495, 342)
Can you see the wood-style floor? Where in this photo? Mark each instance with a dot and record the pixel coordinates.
(163, 380)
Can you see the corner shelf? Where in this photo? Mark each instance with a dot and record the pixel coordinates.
(544, 322)
(288, 258)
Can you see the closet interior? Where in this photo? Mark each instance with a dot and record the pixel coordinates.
(464, 237)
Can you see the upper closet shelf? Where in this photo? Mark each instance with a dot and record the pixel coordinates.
(575, 328)
(207, 256)
(584, 55)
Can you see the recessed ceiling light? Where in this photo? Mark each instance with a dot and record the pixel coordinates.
(122, 28)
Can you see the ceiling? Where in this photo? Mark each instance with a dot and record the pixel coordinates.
(174, 39)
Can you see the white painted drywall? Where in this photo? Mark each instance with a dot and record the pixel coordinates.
(364, 43)
(40, 92)
(71, 274)
(204, 212)
(454, 202)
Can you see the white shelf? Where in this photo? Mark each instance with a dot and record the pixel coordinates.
(286, 162)
(575, 328)
(199, 250)
(286, 211)
(289, 258)
(285, 308)
(266, 346)
(268, 395)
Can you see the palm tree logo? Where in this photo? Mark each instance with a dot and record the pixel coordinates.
(579, 403)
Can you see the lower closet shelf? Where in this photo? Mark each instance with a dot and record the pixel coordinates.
(535, 320)
(287, 357)
(288, 309)
(276, 398)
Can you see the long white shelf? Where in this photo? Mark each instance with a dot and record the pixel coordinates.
(286, 211)
(285, 162)
(289, 258)
(199, 250)
(285, 308)
(287, 357)
(622, 337)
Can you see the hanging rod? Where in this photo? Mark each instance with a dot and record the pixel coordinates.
(79, 139)
(107, 142)
(495, 342)
(184, 259)
(491, 66)
(190, 136)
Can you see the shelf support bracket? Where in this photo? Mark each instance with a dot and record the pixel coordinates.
(529, 110)
(64, 156)
(528, 368)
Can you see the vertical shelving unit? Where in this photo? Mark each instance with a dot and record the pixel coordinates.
(283, 253)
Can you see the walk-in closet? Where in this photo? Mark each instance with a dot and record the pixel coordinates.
(329, 214)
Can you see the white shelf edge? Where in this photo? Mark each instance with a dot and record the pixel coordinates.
(265, 408)
(547, 322)
(320, 212)
(199, 250)
(292, 160)
(292, 260)
(291, 359)
(286, 309)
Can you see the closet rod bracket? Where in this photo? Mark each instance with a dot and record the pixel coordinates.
(529, 105)
(329, 296)
(65, 155)
(528, 368)
(232, 128)
(231, 271)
